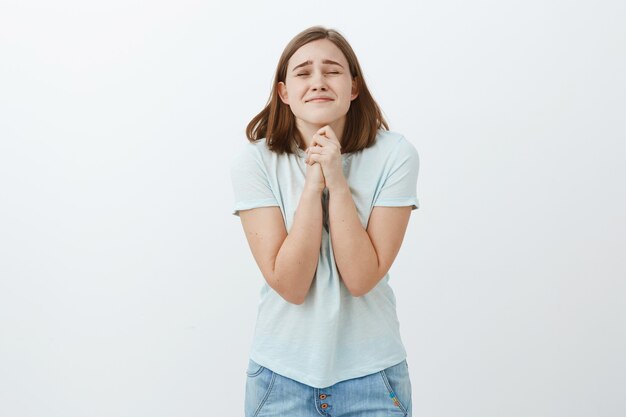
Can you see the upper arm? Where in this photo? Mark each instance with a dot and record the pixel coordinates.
(386, 229)
(265, 231)
(399, 178)
(251, 183)
(393, 205)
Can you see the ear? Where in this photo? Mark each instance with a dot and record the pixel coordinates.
(282, 92)
(355, 89)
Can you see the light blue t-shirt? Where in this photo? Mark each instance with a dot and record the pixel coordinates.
(332, 336)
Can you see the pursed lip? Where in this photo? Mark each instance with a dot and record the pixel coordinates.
(319, 99)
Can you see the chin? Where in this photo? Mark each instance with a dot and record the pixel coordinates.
(322, 121)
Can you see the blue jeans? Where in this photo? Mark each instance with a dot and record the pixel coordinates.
(382, 394)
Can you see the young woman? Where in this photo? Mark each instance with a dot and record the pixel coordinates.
(324, 192)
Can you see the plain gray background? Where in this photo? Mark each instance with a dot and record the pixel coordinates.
(127, 288)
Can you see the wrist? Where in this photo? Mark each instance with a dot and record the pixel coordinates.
(339, 186)
(313, 190)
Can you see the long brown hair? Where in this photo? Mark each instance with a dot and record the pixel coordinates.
(277, 124)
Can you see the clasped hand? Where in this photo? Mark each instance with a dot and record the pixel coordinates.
(325, 150)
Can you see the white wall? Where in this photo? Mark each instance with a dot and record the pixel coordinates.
(127, 288)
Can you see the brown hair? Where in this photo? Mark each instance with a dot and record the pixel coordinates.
(276, 123)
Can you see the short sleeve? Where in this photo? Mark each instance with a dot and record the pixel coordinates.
(400, 183)
(251, 186)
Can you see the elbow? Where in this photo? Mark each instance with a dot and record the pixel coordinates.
(357, 293)
(294, 300)
(289, 293)
(358, 290)
(292, 297)
(361, 287)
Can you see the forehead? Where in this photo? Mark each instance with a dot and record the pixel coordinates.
(317, 51)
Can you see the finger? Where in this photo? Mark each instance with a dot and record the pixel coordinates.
(328, 133)
(330, 141)
(314, 157)
(319, 140)
(315, 149)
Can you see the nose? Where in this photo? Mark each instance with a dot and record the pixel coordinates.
(318, 82)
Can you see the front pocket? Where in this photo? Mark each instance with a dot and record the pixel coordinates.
(258, 388)
(396, 379)
(254, 369)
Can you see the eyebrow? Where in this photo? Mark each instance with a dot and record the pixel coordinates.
(326, 61)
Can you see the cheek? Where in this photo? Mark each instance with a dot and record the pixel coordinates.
(297, 91)
(348, 94)
(346, 88)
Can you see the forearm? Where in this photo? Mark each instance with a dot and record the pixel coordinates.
(297, 259)
(354, 252)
